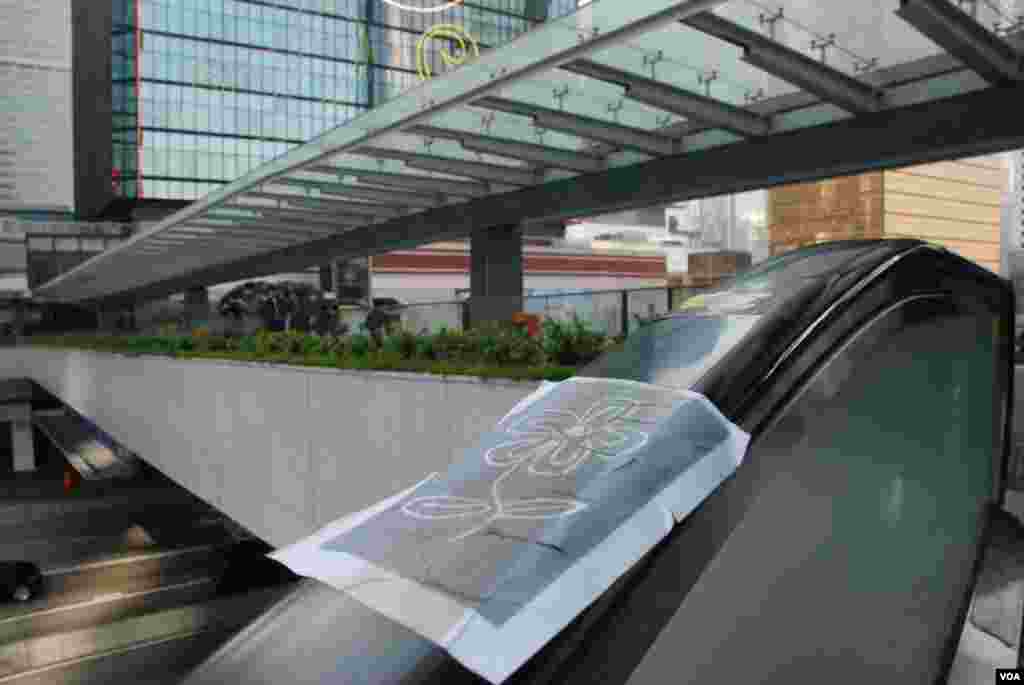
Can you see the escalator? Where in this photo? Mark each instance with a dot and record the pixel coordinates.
(874, 379)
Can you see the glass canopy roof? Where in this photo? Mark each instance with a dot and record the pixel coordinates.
(612, 84)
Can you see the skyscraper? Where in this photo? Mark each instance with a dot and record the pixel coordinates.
(35, 107)
(206, 90)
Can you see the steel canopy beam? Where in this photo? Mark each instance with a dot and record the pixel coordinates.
(413, 200)
(236, 240)
(426, 184)
(707, 111)
(214, 248)
(203, 249)
(831, 85)
(202, 238)
(460, 167)
(543, 155)
(256, 225)
(233, 233)
(584, 127)
(314, 217)
(290, 219)
(977, 123)
(285, 211)
(362, 208)
(276, 229)
(959, 34)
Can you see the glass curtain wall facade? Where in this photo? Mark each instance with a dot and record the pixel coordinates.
(205, 90)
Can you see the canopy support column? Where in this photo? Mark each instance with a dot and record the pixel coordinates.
(496, 274)
(19, 415)
(197, 306)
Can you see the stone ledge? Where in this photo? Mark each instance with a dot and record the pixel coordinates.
(398, 375)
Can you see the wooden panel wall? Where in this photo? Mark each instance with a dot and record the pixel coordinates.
(956, 204)
(838, 209)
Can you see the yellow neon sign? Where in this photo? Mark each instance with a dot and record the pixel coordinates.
(465, 46)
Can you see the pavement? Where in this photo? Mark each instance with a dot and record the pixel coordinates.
(133, 572)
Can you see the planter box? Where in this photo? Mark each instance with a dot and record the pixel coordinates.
(280, 449)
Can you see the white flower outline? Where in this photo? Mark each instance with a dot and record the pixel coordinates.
(554, 444)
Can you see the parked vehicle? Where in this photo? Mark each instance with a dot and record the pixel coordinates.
(874, 380)
(20, 580)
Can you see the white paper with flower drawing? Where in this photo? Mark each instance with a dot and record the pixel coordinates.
(495, 557)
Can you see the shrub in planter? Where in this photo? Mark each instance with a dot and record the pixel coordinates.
(281, 342)
(520, 349)
(182, 343)
(391, 345)
(330, 344)
(261, 341)
(425, 348)
(249, 344)
(500, 344)
(218, 343)
(359, 345)
(310, 344)
(407, 342)
(293, 342)
(450, 345)
(572, 343)
(486, 346)
(528, 322)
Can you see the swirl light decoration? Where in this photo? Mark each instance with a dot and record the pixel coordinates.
(424, 10)
(465, 44)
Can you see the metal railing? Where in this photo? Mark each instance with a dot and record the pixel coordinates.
(612, 312)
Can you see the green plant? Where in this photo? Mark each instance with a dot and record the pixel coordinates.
(407, 343)
(249, 344)
(294, 342)
(218, 343)
(329, 344)
(450, 344)
(571, 343)
(425, 347)
(490, 350)
(359, 345)
(311, 344)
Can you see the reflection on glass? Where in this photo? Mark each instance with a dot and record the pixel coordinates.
(677, 350)
(266, 77)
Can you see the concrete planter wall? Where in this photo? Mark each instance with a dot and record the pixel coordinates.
(281, 449)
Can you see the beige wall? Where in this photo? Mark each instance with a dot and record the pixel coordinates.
(956, 204)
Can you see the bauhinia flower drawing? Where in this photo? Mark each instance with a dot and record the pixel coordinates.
(551, 445)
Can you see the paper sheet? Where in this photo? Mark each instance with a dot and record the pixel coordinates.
(492, 559)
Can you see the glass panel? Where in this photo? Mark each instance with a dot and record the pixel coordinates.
(879, 476)
(67, 245)
(863, 31)
(677, 350)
